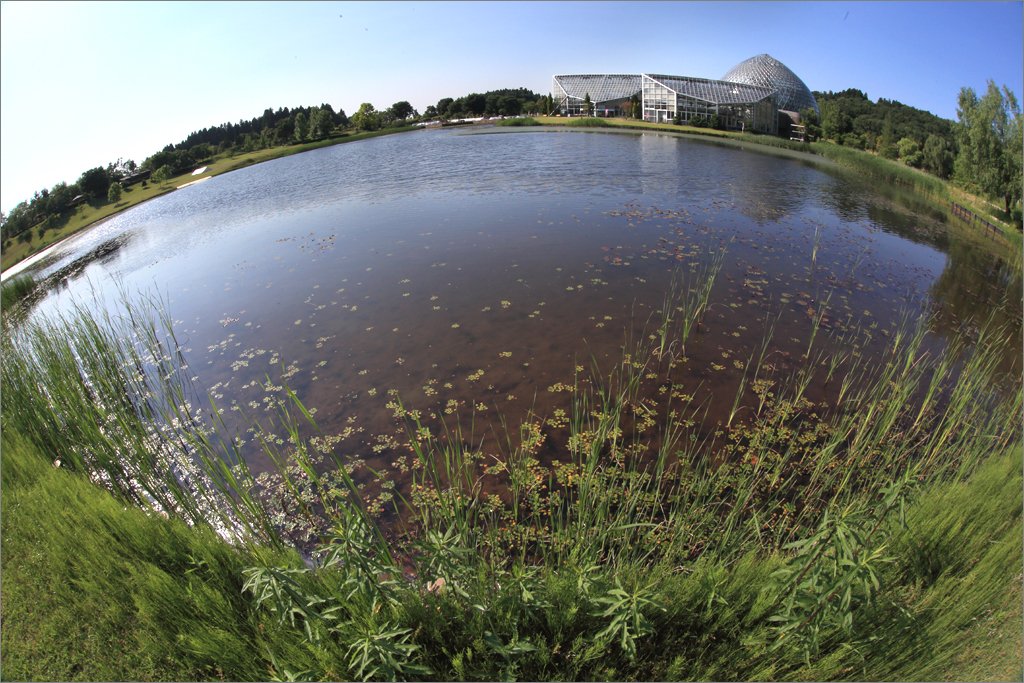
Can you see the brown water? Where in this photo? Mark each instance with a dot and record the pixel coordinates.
(469, 272)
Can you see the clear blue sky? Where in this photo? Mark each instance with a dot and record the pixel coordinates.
(82, 84)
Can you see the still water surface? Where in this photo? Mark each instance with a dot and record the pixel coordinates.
(468, 272)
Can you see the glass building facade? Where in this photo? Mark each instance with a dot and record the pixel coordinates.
(610, 94)
(749, 97)
(732, 105)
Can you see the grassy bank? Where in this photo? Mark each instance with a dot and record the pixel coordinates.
(88, 214)
(95, 590)
(877, 538)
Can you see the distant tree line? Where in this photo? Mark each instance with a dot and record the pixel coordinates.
(50, 208)
(505, 102)
(982, 151)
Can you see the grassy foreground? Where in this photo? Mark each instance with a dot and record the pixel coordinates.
(881, 540)
(97, 591)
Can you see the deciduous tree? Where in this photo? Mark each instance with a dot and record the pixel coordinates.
(95, 182)
(301, 127)
(401, 110)
(367, 118)
(937, 158)
(909, 152)
(887, 141)
(989, 137)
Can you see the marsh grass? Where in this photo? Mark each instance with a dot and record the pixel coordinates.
(656, 545)
(522, 121)
(585, 122)
(16, 290)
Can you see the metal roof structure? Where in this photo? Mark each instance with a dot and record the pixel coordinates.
(600, 87)
(763, 70)
(717, 92)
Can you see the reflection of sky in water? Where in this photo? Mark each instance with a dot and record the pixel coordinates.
(412, 262)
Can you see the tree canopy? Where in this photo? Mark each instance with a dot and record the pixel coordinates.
(849, 118)
(989, 136)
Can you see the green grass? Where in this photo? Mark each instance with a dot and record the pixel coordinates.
(523, 121)
(95, 590)
(16, 290)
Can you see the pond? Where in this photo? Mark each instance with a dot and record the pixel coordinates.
(473, 274)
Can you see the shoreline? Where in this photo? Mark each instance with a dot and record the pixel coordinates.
(488, 127)
(276, 153)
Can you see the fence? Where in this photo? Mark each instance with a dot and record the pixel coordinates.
(968, 216)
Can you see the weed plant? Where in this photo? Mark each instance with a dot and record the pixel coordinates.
(15, 292)
(587, 122)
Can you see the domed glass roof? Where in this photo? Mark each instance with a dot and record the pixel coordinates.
(766, 71)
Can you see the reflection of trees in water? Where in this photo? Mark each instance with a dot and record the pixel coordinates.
(723, 176)
(888, 208)
(975, 283)
(974, 286)
(764, 195)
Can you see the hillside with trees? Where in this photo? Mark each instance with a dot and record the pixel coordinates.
(980, 152)
(892, 129)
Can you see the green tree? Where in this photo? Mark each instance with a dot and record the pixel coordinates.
(635, 107)
(162, 174)
(301, 127)
(95, 182)
(475, 104)
(588, 106)
(401, 110)
(936, 157)
(909, 152)
(284, 131)
(887, 141)
(829, 119)
(114, 193)
(320, 123)
(812, 123)
(835, 123)
(512, 106)
(989, 137)
(367, 118)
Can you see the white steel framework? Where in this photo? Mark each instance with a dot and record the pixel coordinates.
(609, 94)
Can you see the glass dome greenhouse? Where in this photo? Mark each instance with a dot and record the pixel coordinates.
(792, 94)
